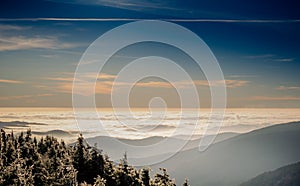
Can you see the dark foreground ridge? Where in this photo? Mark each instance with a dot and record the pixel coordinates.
(287, 175)
(24, 160)
(238, 159)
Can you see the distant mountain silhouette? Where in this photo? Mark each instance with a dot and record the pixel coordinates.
(55, 133)
(288, 175)
(7, 124)
(238, 159)
(115, 149)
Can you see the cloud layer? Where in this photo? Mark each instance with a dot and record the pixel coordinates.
(10, 81)
(23, 43)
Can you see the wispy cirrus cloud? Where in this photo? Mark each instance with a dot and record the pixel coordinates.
(241, 76)
(141, 19)
(284, 59)
(66, 79)
(105, 82)
(236, 83)
(229, 83)
(83, 84)
(185, 84)
(155, 84)
(273, 98)
(261, 56)
(12, 38)
(8, 43)
(104, 76)
(105, 87)
(24, 96)
(84, 88)
(128, 4)
(287, 88)
(270, 58)
(6, 27)
(10, 81)
(50, 56)
(82, 77)
(175, 8)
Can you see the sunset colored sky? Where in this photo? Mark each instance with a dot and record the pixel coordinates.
(257, 45)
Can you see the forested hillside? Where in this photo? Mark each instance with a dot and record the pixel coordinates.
(24, 160)
(287, 175)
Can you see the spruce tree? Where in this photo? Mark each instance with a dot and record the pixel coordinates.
(28, 161)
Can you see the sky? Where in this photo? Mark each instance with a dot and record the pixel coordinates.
(255, 42)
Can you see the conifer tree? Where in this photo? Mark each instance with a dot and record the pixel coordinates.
(100, 181)
(186, 182)
(27, 161)
(163, 179)
(145, 177)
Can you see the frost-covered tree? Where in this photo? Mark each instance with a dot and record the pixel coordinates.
(25, 160)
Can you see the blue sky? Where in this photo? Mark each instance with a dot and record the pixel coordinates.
(256, 43)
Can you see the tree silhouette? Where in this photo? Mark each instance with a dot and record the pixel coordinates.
(25, 160)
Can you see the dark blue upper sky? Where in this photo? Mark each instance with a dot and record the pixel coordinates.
(256, 43)
(230, 9)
